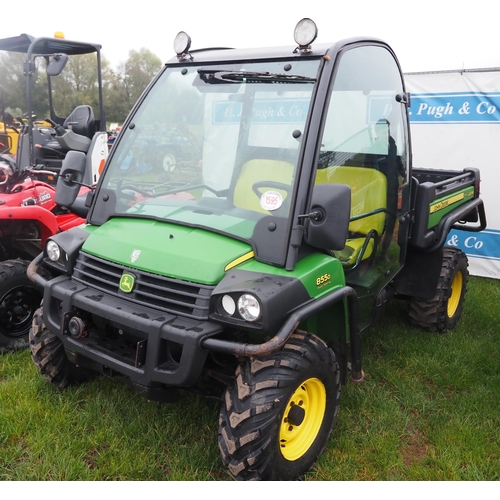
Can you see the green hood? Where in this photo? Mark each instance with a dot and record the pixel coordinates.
(167, 249)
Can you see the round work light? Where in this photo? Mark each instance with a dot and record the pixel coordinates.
(305, 32)
(182, 43)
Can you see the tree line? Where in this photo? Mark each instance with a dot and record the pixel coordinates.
(77, 84)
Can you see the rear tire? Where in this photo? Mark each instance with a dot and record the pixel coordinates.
(19, 299)
(49, 356)
(280, 411)
(444, 310)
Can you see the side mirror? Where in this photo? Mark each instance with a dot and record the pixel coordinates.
(56, 64)
(70, 178)
(330, 213)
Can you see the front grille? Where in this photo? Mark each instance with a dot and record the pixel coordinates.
(152, 290)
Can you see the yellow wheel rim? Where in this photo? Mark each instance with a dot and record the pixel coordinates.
(302, 419)
(456, 294)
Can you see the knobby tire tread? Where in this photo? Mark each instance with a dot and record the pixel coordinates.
(253, 408)
(432, 315)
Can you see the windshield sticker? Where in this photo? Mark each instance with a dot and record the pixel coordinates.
(271, 200)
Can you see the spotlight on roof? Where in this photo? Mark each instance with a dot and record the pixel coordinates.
(305, 33)
(182, 43)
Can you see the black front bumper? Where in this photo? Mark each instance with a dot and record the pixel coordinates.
(150, 361)
(149, 364)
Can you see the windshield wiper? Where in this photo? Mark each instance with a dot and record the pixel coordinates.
(225, 76)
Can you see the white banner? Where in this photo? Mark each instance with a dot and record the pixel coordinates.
(455, 124)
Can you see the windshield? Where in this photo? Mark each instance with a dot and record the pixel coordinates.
(215, 147)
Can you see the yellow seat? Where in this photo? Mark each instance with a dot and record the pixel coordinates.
(368, 208)
(247, 193)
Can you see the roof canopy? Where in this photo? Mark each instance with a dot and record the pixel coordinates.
(46, 46)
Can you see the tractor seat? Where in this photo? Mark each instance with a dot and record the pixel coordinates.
(262, 185)
(368, 209)
(81, 120)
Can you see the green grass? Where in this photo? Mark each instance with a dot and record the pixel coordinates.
(429, 410)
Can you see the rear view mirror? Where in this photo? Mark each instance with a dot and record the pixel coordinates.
(56, 64)
(70, 178)
(331, 207)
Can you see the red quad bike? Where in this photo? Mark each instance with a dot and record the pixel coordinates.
(28, 211)
(28, 216)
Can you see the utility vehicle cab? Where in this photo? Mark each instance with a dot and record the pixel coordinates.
(237, 146)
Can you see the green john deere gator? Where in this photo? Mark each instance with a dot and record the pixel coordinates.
(255, 214)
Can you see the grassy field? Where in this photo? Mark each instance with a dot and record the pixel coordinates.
(429, 410)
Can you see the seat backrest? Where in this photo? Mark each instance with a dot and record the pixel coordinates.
(81, 120)
(247, 196)
(368, 193)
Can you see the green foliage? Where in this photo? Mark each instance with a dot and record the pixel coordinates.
(13, 83)
(12, 80)
(126, 86)
(78, 84)
(428, 410)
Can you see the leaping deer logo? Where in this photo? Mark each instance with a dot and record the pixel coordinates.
(127, 283)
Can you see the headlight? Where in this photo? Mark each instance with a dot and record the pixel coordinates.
(249, 307)
(239, 307)
(228, 305)
(53, 251)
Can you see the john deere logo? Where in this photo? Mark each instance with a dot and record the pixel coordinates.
(127, 283)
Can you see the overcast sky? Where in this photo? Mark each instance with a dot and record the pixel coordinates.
(426, 35)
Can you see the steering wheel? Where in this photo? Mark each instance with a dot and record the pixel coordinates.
(274, 205)
(129, 187)
(270, 184)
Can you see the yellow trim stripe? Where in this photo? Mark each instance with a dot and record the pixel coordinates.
(446, 203)
(239, 260)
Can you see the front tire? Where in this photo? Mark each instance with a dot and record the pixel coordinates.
(280, 412)
(19, 299)
(443, 311)
(49, 356)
